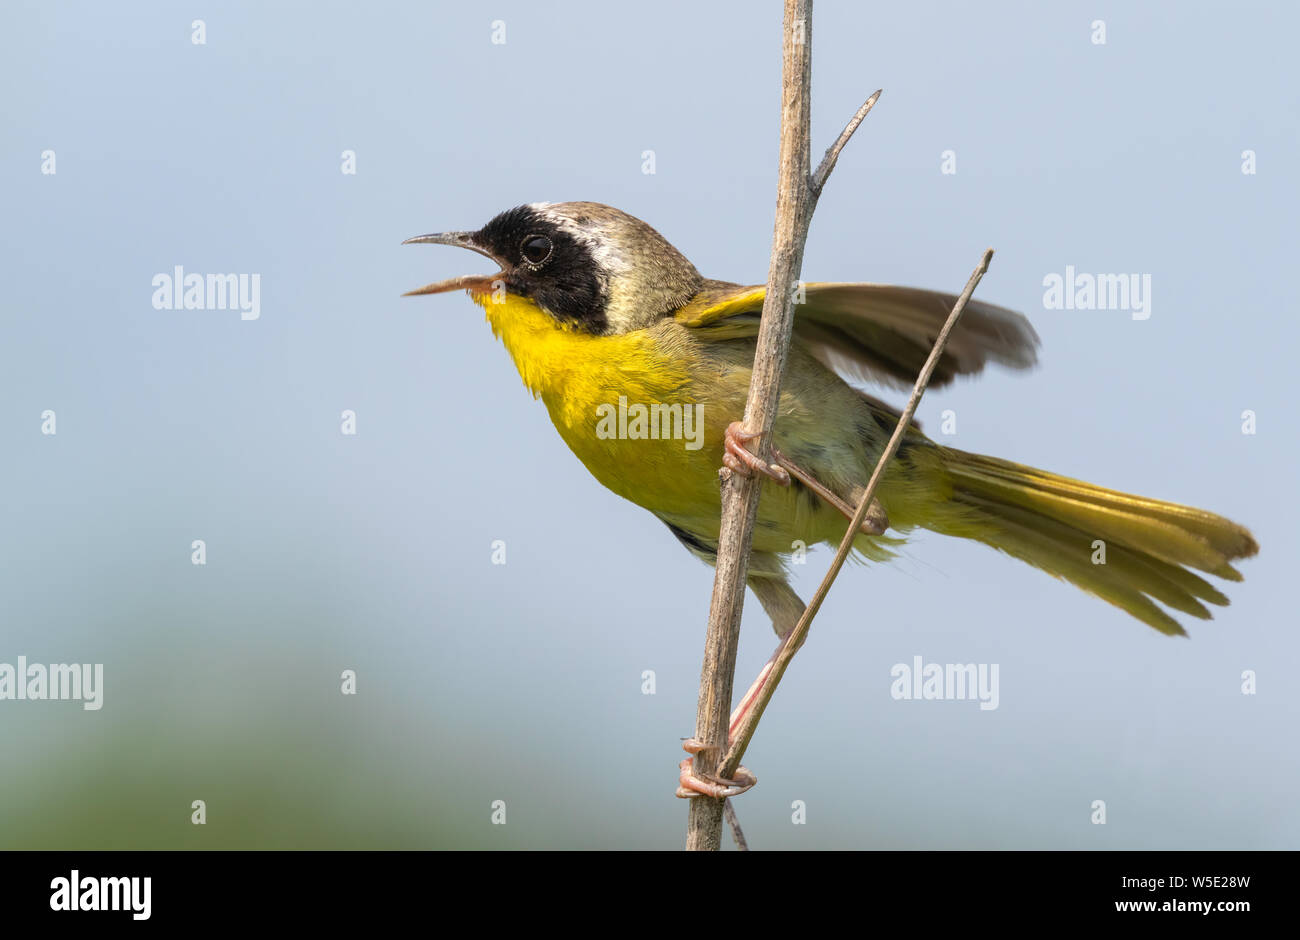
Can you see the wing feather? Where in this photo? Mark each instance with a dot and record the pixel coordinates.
(875, 332)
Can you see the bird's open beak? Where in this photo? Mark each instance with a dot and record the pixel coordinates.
(472, 282)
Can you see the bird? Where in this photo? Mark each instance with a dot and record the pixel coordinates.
(643, 365)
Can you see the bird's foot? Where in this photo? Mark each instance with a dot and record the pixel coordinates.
(692, 785)
(738, 459)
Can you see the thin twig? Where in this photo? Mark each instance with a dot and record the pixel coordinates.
(740, 741)
(736, 832)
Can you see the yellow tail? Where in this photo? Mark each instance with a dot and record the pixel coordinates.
(1053, 523)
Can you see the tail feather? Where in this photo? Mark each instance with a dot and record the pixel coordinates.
(1052, 522)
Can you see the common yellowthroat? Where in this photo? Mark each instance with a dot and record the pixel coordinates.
(606, 320)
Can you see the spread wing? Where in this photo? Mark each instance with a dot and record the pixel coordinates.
(875, 332)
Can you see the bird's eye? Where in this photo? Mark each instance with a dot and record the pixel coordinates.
(535, 250)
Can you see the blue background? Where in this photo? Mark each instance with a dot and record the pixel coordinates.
(523, 682)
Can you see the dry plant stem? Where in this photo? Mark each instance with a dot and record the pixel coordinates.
(797, 193)
(740, 493)
(741, 738)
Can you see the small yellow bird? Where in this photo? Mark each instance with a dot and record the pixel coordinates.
(644, 366)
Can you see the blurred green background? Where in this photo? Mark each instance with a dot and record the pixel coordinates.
(523, 682)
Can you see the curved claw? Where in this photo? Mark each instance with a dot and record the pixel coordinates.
(692, 786)
(738, 459)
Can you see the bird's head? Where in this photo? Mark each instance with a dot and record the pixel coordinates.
(588, 265)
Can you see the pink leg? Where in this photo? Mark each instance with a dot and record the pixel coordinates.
(875, 522)
(785, 608)
(690, 784)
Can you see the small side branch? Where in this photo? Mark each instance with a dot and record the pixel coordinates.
(818, 181)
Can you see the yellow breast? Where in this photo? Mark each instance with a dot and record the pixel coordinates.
(626, 407)
(645, 412)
